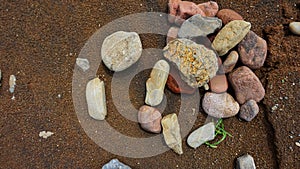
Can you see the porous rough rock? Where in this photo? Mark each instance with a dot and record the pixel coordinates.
(230, 61)
(171, 132)
(172, 33)
(253, 50)
(245, 162)
(198, 25)
(220, 105)
(149, 119)
(230, 35)
(155, 85)
(249, 110)
(295, 27)
(209, 8)
(115, 164)
(218, 84)
(96, 100)
(120, 50)
(246, 85)
(228, 15)
(201, 135)
(196, 63)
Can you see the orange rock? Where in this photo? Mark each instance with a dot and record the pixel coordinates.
(227, 15)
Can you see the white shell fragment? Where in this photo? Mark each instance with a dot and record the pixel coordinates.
(95, 97)
(156, 83)
(171, 132)
(45, 134)
(201, 135)
(12, 83)
(83, 63)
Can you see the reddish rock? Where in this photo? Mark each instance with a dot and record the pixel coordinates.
(210, 8)
(173, 9)
(230, 61)
(246, 85)
(228, 15)
(253, 50)
(149, 119)
(176, 84)
(218, 84)
(172, 34)
(249, 110)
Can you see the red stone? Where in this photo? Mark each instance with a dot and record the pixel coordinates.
(218, 84)
(228, 15)
(210, 8)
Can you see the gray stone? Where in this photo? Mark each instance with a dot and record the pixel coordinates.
(295, 27)
(120, 50)
(249, 110)
(12, 83)
(115, 164)
(198, 25)
(83, 63)
(245, 162)
(201, 135)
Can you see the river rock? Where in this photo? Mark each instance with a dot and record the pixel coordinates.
(12, 83)
(230, 61)
(96, 100)
(245, 162)
(172, 33)
(209, 8)
(231, 34)
(149, 119)
(218, 84)
(115, 164)
(228, 15)
(201, 135)
(246, 85)
(198, 25)
(196, 63)
(120, 50)
(171, 132)
(249, 110)
(220, 105)
(155, 85)
(253, 51)
(295, 27)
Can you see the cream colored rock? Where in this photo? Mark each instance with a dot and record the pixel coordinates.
(95, 97)
(155, 85)
(232, 33)
(171, 132)
(201, 135)
(295, 27)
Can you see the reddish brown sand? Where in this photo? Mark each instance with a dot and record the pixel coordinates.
(37, 40)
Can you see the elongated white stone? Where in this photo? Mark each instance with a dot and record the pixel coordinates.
(12, 83)
(201, 135)
(156, 83)
(171, 132)
(95, 97)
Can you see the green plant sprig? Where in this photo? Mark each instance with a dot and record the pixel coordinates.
(220, 130)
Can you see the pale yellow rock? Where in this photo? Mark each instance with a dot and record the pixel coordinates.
(155, 85)
(171, 132)
(232, 34)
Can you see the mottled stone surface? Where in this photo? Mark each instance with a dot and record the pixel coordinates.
(198, 25)
(220, 105)
(209, 8)
(120, 50)
(196, 63)
(228, 15)
(115, 164)
(172, 33)
(295, 27)
(253, 51)
(230, 61)
(201, 135)
(231, 34)
(171, 132)
(218, 84)
(249, 110)
(246, 85)
(149, 119)
(245, 162)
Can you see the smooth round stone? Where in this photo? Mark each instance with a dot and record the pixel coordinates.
(295, 27)
(228, 15)
(249, 110)
(218, 84)
(210, 8)
(172, 33)
(220, 105)
(150, 119)
(120, 50)
(230, 61)
(246, 85)
(253, 51)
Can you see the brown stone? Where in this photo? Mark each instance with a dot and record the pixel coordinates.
(150, 119)
(228, 15)
(218, 84)
(210, 8)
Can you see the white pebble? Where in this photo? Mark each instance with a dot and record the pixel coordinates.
(12, 83)
(45, 134)
(295, 27)
(83, 63)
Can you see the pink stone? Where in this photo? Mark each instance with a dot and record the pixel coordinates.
(173, 8)
(172, 34)
(210, 8)
(149, 119)
(218, 84)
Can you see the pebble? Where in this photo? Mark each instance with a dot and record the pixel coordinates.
(246, 85)
(173, 8)
(83, 63)
(171, 132)
(231, 34)
(120, 50)
(249, 110)
(172, 34)
(45, 134)
(176, 84)
(0, 77)
(230, 61)
(220, 105)
(115, 164)
(245, 162)
(253, 50)
(295, 27)
(198, 25)
(95, 97)
(155, 85)
(297, 144)
(201, 135)
(12, 83)
(196, 63)
(209, 8)
(149, 119)
(228, 15)
(218, 84)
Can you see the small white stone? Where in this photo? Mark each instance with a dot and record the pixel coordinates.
(83, 63)
(295, 27)
(201, 135)
(297, 144)
(12, 83)
(45, 134)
